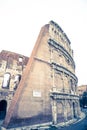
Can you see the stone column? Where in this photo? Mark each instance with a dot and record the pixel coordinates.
(78, 109)
(71, 105)
(54, 112)
(75, 114)
(65, 110)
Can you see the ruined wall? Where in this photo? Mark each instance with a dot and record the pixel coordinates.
(11, 69)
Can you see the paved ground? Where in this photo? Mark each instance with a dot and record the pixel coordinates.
(80, 125)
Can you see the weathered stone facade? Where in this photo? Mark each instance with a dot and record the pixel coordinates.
(48, 89)
(11, 69)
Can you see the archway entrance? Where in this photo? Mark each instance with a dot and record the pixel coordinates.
(74, 113)
(3, 107)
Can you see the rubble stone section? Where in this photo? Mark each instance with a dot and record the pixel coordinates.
(13, 64)
(48, 89)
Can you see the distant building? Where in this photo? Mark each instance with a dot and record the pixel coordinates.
(82, 92)
(82, 89)
(48, 89)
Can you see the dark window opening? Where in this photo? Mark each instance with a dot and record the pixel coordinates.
(71, 85)
(17, 80)
(74, 114)
(3, 107)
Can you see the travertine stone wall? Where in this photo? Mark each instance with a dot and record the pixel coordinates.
(48, 89)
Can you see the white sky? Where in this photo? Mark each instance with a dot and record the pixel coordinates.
(21, 21)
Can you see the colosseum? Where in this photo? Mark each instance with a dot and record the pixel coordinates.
(42, 88)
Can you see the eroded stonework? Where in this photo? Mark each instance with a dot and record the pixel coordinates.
(11, 69)
(48, 90)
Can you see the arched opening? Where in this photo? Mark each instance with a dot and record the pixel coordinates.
(74, 113)
(3, 107)
(71, 86)
(69, 111)
(6, 80)
(60, 115)
(17, 80)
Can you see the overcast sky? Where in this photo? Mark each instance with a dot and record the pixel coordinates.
(21, 21)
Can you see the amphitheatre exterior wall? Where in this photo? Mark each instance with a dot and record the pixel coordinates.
(48, 90)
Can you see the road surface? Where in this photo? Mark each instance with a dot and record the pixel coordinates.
(81, 125)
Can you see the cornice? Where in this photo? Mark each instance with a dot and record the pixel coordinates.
(64, 70)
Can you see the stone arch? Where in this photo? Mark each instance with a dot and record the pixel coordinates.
(71, 108)
(74, 109)
(60, 107)
(3, 108)
(60, 116)
(77, 108)
(68, 107)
